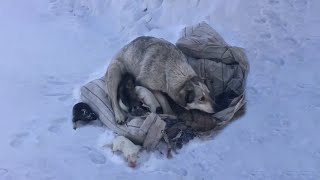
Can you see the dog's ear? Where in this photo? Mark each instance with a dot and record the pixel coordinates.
(190, 95)
(186, 94)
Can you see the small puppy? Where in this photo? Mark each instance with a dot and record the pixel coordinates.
(136, 100)
(82, 112)
(148, 99)
(129, 150)
(128, 98)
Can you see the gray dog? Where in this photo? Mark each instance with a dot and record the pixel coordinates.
(162, 68)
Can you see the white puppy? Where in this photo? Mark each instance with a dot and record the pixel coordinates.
(129, 150)
(147, 98)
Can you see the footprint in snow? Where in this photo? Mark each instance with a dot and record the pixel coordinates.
(274, 60)
(177, 171)
(291, 42)
(95, 156)
(273, 2)
(265, 36)
(300, 4)
(56, 124)
(260, 20)
(53, 80)
(3, 171)
(18, 139)
(61, 96)
(56, 88)
(275, 21)
(56, 82)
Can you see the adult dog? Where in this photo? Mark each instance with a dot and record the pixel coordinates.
(162, 68)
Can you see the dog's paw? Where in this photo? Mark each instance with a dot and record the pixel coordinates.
(120, 118)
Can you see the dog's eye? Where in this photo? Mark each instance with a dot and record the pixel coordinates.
(201, 99)
(84, 112)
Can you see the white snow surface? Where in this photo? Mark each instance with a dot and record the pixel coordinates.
(49, 49)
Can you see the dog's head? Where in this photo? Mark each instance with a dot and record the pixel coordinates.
(129, 82)
(195, 95)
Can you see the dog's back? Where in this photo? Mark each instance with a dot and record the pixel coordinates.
(156, 63)
(161, 67)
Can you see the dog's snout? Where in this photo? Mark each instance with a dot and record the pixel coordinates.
(93, 116)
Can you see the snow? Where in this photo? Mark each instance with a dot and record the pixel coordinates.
(50, 48)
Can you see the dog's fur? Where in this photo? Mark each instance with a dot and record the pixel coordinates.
(161, 67)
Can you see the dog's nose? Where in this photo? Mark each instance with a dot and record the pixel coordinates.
(93, 116)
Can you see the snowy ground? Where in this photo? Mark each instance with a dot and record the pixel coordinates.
(49, 49)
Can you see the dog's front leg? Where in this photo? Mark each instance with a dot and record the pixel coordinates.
(163, 102)
(113, 79)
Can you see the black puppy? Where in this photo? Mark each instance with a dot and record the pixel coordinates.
(82, 112)
(128, 96)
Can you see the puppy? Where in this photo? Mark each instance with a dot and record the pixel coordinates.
(136, 100)
(161, 67)
(82, 112)
(128, 98)
(129, 150)
(148, 99)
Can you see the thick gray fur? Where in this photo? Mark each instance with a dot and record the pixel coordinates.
(161, 67)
